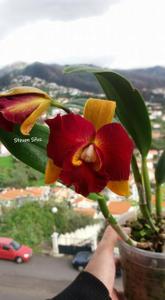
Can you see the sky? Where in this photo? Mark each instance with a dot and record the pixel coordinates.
(110, 33)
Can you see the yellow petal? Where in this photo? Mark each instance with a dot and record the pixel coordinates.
(119, 187)
(99, 112)
(30, 120)
(52, 172)
(23, 90)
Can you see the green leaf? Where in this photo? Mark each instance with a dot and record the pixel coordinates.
(83, 68)
(131, 109)
(142, 232)
(160, 170)
(29, 149)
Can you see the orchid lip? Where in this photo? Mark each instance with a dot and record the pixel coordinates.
(89, 154)
(86, 154)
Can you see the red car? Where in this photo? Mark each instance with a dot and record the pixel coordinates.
(12, 250)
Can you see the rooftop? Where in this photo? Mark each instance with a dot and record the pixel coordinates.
(13, 194)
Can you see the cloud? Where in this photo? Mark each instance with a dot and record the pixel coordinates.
(17, 13)
(115, 39)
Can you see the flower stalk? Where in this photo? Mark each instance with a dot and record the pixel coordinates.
(159, 200)
(142, 198)
(146, 181)
(119, 230)
(113, 222)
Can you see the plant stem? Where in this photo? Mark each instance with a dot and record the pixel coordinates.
(139, 184)
(142, 199)
(113, 222)
(159, 199)
(147, 185)
(59, 105)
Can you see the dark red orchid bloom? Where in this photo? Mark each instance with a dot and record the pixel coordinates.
(22, 105)
(89, 152)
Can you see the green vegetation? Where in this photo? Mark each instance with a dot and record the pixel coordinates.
(33, 223)
(16, 174)
(30, 224)
(67, 220)
(6, 161)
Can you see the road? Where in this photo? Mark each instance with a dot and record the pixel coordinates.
(41, 278)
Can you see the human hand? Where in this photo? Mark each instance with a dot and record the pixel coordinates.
(102, 264)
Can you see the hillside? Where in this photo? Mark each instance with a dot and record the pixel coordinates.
(149, 78)
(52, 73)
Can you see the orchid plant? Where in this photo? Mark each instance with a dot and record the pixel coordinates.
(89, 151)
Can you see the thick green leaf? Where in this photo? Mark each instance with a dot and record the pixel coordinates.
(29, 149)
(160, 170)
(131, 108)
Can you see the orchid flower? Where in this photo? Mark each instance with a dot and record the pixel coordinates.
(22, 105)
(89, 151)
